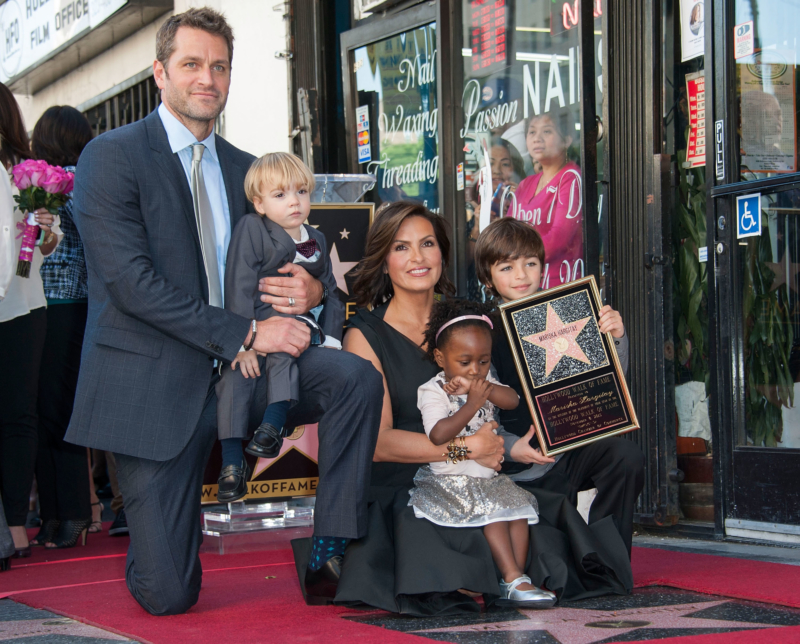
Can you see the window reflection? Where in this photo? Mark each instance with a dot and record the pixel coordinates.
(767, 89)
(396, 82)
(521, 110)
(770, 278)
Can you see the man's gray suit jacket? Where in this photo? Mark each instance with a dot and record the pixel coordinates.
(151, 337)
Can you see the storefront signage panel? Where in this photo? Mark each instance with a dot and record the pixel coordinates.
(489, 35)
(396, 82)
(34, 29)
(526, 114)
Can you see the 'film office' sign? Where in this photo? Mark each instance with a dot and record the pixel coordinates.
(31, 30)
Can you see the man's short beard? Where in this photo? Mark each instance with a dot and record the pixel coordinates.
(182, 107)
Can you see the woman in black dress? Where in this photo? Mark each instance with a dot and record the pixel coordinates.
(407, 565)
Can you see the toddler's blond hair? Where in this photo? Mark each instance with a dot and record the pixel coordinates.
(276, 170)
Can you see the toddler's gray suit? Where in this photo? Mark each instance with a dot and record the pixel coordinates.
(258, 248)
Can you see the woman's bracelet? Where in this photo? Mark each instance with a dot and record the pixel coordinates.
(457, 450)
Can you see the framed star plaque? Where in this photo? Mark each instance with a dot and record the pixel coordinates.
(345, 226)
(570, 372)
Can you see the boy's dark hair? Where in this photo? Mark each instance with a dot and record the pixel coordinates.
(447, 310)
(503, 240)
(204, 19)
(60, 135)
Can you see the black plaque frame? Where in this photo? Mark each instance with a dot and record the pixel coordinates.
(567, 409)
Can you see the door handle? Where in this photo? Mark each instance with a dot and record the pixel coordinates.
(651, 260)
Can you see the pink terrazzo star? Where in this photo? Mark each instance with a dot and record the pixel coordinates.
(569, 625)
(558, 340)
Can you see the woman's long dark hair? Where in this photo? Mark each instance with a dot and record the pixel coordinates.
(372, 285)
(14, 144)
(60, 135)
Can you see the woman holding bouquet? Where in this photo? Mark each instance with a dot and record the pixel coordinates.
(23, 324)
(62, 474)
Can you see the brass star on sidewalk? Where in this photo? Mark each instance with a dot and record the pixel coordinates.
(558, 340)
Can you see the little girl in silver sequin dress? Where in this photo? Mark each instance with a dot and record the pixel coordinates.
(460, 492)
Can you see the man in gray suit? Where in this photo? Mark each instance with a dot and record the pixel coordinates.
(155, 204)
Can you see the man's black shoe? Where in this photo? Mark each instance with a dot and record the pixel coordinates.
(321, 585)
(266, 442)
(232, 483)
(120, 526)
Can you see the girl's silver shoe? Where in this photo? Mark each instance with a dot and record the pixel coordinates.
(536, 598)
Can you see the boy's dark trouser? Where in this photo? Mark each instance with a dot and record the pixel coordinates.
(615, 466)
(162, 498)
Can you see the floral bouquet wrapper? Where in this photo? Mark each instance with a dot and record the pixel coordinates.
(40, 185)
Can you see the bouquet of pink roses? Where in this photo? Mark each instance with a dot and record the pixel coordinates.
(40, 186)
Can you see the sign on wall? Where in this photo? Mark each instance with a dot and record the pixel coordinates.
(748, 215)
(34, 29)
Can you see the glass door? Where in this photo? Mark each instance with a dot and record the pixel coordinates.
(391, 93)
(757, 230)
(528, 80)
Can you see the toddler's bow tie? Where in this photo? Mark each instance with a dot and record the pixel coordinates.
(307, 248)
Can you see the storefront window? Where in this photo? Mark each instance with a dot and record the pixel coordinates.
(770, 276)
(766, 49)
(521, 113)
(397, 115)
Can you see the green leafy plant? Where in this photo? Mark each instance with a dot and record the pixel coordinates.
(690, 277)
(768, 342)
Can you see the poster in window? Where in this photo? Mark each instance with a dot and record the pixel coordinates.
(692, 29)
(767, 110)
(696, 99)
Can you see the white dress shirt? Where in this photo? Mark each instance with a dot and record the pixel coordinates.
(181, 141)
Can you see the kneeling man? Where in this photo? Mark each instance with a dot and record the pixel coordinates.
(155, 205)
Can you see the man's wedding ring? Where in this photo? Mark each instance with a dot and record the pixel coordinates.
(291, 301)
(502, 459)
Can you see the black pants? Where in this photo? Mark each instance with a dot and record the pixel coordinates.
(162, 507)
(615, 466)
(61, 470)
(162, 498)
(21, 343)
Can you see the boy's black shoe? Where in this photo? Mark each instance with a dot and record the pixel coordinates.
(232, 483)
(266, 442)
(320, 585)
(120, 526)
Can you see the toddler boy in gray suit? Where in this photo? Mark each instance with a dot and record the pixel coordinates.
(279, 187)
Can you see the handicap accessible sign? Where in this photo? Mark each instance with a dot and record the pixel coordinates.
(748, 215)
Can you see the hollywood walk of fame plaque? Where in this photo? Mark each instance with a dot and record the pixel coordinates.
(570, 372)
(345, 226)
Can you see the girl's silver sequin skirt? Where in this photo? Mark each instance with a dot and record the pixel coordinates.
(465, 501)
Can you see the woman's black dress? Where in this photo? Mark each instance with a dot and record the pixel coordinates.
(412, 566)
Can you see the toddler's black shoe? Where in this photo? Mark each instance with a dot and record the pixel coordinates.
(266, 443)
(232, 483)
